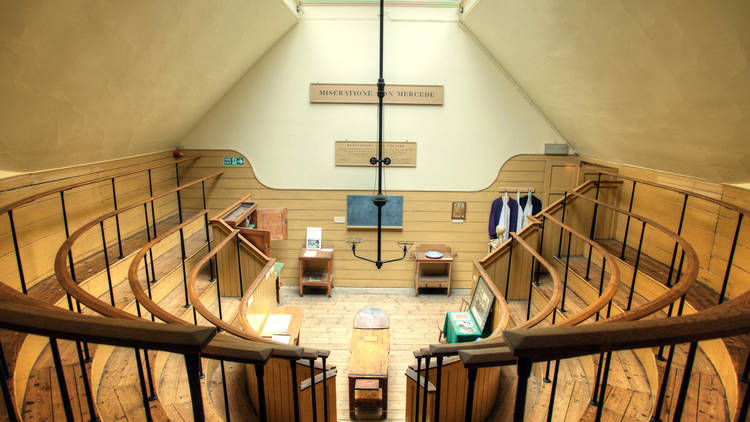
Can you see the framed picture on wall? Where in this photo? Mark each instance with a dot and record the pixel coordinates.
(481, 303)
(458, 211)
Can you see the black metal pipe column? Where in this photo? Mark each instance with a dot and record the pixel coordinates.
(380, 200)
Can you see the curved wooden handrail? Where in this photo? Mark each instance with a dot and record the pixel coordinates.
(195, 299)
(676, 291)
(135, 282)
(503, 323)
(557, 285)
(72, 326)
(496, 339)
(33, 198)
(61, 265)
(728, 319)
(681, 191)
(221, 213)
(612, 284)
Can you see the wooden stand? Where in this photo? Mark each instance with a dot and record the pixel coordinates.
(433, 273)
(316, 262)
(368, 366)
(292, 330)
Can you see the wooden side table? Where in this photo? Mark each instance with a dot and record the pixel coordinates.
(431, 272)
(316, 268)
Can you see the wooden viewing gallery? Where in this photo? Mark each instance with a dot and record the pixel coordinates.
(147, 289)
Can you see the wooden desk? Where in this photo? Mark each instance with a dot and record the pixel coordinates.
(368, 365)
(316, 262)
(430, 272)
(292, 330)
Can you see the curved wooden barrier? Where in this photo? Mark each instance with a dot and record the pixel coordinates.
(279, 383)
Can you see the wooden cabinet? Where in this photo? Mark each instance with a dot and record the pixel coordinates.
(258, 225)
(433, 273)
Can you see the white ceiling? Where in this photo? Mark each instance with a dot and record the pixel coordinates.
(84, 81)
(663, 84)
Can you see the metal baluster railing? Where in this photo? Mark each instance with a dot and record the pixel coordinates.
(418, 355)
(524, 371)
(567, 270)
(295, 390)
(106, 264)
(426, 354)
(17, 250)
(635, 267)
(438, 384)
(559, 243)
(685, 381)
(142, 381)
(117, 219)
(510, 261)
(551, 405)
(603, 391)
(593, 227)
(5, 375)
(59, 371)
(730, 259)
(627, 223)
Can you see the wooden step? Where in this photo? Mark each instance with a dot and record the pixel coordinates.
(703, 368)
(35, 409)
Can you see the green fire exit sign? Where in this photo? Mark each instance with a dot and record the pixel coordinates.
(234, 161)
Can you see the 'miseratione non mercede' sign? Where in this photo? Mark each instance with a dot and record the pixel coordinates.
(368, 94)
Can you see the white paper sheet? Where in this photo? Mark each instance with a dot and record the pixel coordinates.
(280, 338)
(277, 323)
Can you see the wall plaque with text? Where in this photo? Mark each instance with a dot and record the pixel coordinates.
(357, 154)
(368, 94)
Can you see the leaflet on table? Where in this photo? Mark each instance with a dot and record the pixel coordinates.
(277, 323)
(460, 316)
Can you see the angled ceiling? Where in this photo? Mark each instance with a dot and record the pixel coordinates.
(84, 81)
(663, 84)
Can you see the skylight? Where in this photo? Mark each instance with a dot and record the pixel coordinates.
(424, 3)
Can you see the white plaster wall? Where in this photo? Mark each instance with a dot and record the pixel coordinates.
(84, 81)
(461, 145)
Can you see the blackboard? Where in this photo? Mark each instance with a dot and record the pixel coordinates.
(361, 213)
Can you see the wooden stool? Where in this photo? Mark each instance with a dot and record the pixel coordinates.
(368, 366)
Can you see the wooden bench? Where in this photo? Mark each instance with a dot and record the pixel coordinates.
(368, 366)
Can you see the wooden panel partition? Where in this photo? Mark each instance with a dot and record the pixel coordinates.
(427, 216)
(709, 227)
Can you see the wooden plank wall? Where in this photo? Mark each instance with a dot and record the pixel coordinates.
(39, 225)
(709, 228)
(426, 215)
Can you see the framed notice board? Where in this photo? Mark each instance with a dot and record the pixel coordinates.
(361, 213)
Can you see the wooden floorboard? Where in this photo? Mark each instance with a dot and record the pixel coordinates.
(414, 322)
